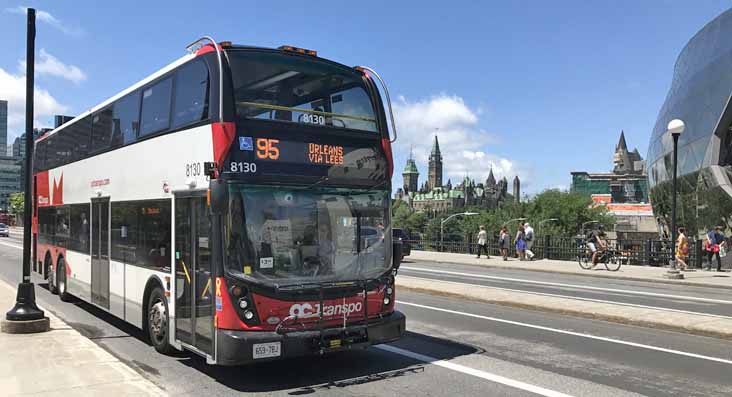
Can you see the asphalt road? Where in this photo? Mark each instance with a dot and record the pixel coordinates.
(453, 347)
(714, 301)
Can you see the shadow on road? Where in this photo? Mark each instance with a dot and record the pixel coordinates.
(305, 375)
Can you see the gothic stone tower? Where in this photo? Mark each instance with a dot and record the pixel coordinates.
(517, 189)
(410, 175)
(434, 175)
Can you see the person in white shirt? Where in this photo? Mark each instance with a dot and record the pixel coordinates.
(529, 237)
(483, 241)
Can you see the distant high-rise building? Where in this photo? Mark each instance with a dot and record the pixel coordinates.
(410, 175)
(3, 123)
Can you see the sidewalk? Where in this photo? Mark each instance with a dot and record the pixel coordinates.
(636, 273)
(62, 362)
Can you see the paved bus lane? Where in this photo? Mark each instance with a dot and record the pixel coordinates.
(443, 353)
(370, 372)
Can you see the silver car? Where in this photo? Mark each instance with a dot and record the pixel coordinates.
(4, 230)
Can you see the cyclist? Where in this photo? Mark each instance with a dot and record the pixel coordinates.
(597, 243)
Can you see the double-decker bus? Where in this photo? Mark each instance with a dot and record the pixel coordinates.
(235, 204)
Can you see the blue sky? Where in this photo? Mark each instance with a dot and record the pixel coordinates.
(533, 88)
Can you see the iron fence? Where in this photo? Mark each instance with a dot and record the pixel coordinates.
(629, 251)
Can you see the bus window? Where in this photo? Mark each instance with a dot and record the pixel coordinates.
(101, 130)
(156, 107)
(300, 90)
(191, 94)
(126, 119)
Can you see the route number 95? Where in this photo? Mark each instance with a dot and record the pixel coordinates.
(243, 167)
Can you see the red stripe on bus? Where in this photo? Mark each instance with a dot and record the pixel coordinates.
(386, 145)
(223, 136)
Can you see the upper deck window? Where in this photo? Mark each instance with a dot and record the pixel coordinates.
(156, 107)
(298, 89)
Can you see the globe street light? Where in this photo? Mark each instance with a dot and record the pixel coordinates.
(442, 224)
(675, 128)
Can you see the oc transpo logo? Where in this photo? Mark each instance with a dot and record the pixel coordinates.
(305, 310)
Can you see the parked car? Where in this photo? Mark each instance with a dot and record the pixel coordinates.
(4, 230)
(401, 235)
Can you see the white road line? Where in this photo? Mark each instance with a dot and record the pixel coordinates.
(577, 298)
(20, 247)
(578, 334)
(472, 371)
(587, 287)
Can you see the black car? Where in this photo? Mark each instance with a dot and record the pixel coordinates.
(401, 235)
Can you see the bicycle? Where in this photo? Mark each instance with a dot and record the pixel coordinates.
(607, 257)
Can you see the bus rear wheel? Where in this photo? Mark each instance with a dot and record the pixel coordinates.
(50, 276)
(157, 321)
(61, 285)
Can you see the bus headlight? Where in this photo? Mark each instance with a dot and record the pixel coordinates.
(243, 304)
(248, 315)
(389, 290)
(387, 301)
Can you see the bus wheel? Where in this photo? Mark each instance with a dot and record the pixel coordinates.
(61, 285)
(157, 321)
(52, 286)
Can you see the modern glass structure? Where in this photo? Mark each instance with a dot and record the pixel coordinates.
(700, 96)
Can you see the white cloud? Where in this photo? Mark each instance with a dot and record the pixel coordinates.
(50, 65)
(46, 17)
(12, 89)
(463, 143)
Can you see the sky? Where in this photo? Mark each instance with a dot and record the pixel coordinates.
(531, 88)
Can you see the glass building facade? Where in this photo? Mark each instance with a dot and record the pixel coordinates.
(700, 96)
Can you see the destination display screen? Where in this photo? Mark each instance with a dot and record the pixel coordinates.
(253, 157)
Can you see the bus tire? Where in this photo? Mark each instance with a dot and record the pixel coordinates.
(50, 275)
(61, 283)
(158, 320)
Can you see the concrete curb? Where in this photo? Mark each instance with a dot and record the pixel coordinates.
(570, 273)
(696, 324)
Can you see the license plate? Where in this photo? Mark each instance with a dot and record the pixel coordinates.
(265, 350)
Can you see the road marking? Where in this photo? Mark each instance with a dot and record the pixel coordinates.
(472, 371)
(587, 287)
(20, 247)
(577, 298)
(579, 334)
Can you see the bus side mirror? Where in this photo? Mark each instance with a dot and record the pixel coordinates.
(396, 257)
(218, 196)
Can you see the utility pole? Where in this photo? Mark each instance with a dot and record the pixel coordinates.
(25, 317)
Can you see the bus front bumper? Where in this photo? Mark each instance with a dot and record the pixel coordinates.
(238, 347)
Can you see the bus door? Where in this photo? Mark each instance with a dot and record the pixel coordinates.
(193, 279)
(100, 252)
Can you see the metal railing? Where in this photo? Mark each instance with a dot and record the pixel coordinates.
(630, 252)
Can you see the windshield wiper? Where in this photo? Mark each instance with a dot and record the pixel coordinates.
(317, 285)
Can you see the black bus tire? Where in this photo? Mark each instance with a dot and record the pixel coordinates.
(158, 320)
(61, 285)
(50, 276)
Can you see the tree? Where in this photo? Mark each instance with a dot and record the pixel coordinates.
(17, 203)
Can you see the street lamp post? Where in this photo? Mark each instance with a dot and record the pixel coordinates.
(25, 316)
(442, 224)
(675, 128)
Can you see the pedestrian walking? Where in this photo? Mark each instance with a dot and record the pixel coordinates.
(529, 233)
(682, 249)
(504, 241)
(520, 243)
(483, 242)
(714, 243)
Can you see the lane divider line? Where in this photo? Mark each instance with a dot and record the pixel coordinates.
(20, 247)
(576, 298)
(587, 287)
(473, 372)
(572, 333)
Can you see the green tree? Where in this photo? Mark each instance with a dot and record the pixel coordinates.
(17, 203)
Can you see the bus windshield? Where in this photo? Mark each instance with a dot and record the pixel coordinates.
(297, 89)
(285, 236)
